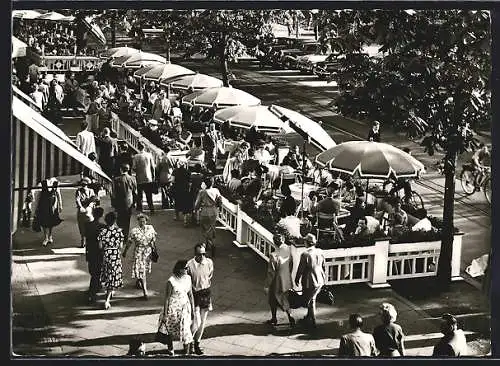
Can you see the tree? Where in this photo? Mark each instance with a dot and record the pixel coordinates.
(432, 81)
(222, 34)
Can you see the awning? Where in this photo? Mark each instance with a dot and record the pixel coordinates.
(41, 151)
(18, 48)
(94, 29)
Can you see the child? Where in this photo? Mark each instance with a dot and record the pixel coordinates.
(28, 201)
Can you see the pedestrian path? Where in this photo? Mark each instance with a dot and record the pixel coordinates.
(51, 316)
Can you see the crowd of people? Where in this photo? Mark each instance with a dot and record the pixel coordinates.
(244, 166)
(51, 38)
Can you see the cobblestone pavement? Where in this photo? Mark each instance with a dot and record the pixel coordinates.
(51, 317)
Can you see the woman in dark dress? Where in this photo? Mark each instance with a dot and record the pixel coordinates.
(288, 206)
(181, 177)
(110, 241)
(196, 179)
(389, 337)
(48, 209)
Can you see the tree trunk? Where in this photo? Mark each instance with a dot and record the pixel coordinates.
(167, 53)
(113, 31)
(444, 265)
(223, 65)
(296, 19)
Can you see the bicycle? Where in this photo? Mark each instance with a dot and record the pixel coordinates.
(469, 181)
(410, 197)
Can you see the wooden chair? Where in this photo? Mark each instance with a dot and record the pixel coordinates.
(329, 228)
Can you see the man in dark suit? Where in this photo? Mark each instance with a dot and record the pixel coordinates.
(453, 344)
(123, 198)
(327, 206)
(311, 273)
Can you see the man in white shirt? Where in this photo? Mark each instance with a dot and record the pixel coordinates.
(38, 96)
(144, 167)
(261, 154)
(201, 270)
(85, 141)
(58, 90)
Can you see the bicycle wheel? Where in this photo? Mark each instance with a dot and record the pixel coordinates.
(467, 180)
(416, 200)
(487, 189)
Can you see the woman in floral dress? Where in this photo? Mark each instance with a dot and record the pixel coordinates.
(144, 239)
(177, 315)
(110, 241)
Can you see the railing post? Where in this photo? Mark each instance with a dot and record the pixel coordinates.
(456, 257)
(379, 265)
(240, 240)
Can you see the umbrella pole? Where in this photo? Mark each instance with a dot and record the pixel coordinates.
(366, 192)
(303, 179)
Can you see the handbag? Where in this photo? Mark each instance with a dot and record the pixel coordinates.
(296, 299)
(162, 337)
(154, 255)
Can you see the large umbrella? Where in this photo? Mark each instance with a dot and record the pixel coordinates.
(25, 14)
(246, 117)
(54, 16)
(194, 82)
(138, 60)
(370, 159)
(139, 73)
(221, 97)
(119, 52)
(306, 127)
(166, 71)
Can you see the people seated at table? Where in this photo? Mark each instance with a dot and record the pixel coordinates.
(196, 155)
(357, 212)
(291, 160)
(362, 228)
(261, 153)
(328, 206)
(398, 226)
(152, 133)
(398, 211)
(307, 203)
(288, 205)
(268, 214)
(252, 187)
(234, 185)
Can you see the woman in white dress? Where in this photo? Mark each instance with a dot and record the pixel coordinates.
(279, 280)
(144, 239)
(176, 317)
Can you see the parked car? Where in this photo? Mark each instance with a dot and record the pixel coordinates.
(324, 69)
(288, 57)
(267, 51)
(307, 63)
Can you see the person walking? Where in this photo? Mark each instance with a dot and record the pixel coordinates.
(453, 343)
(164, 176)
(124, 197)
(311, 274)
(144, 239)
(108, 149)
(144, 167)
(48, 209)
(178, 309)
(181, 191)
(208, 202)
(201, 270)
(85, 140)
(357, 343)
(279, 280)
(92, 114)
(389, 337)
(83, 196)
(110, 240)
(374, 134)
(93, 254)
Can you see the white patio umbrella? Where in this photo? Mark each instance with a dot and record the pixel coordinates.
(53, 16)
(370, 159)
(221, 97)
(246, 117)
(25, 14)
(139, 73)
(194, 82)
(119, 52)
(166, 71)
(306, 127)
(143, 59)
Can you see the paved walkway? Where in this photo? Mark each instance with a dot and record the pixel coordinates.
(51, 317)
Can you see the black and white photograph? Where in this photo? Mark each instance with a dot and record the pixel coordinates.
(306, 183)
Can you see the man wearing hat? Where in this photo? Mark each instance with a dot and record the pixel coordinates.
(311, 274)
(123, 198)
(453, 344)
(161, 106)
(83, 197)
(261, 154)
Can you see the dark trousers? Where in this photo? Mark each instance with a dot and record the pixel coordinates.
(95, 274)
(146, 188)
(123, 220)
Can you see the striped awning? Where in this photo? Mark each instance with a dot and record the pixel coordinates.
(41, 150)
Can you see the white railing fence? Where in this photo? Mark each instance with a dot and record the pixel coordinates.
(375, 265)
